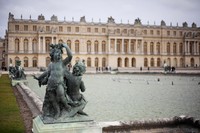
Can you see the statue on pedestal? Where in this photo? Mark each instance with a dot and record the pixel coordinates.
(17, 72)
(63, 99)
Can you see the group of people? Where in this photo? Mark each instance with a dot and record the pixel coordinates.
(63, 97)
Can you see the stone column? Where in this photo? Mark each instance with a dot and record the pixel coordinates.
(108, 45)
(115, 49)
(39, 44)
(30, 50)
(142, 47)
(122, 45)
(185, 47)
(188, 47)
(129, 45)
(43, 45)
(21, 45)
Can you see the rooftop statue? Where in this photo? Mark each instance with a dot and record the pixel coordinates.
(17, 72)
(63, 99)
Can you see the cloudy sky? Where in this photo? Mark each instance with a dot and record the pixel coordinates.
(171, 11)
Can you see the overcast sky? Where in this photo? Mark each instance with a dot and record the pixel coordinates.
(175, 11)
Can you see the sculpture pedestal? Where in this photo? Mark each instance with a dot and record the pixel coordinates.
(71, 127)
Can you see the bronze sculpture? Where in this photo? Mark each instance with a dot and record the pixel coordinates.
(63, 98)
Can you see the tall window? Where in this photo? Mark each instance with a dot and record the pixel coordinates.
(34, 61)
(158, 48)
(181, 48)
(152, 62)
(96, 46)
(119, 62)
(145, 62)
(174, 48)
(96, 62)
(145, 32)
(118, 46)
(168, 48)
(69, 43)
(47, 42)
(145, 47)
(16, 59)
(88, 46)
(96, 30)
(133, 62)
(158, 32)
(103, 62)
(16, 45)
(132, 46)
(25, 61)
(103, 30)
(89, 62)
(88, 29)
(34, 45)
(125, 46)
(104, 46)
(151, 32)
(60, 41)
(25, 45)
(158, 62)
(151, 48)
(48, 60)
(77, 46)
(126, 62)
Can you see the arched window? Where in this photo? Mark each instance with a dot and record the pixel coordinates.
(25, 61)
(126, 62)
(69, 43)
(76, 46)
(34, 45)
(25, 45)
(192, 62)
(158, 48)
(168, 61)
(118, 46)
(103, 62)
(89, 46)
(48, 60)
(133, 62)
(175, 62)
(168, 48)
(125, 46)
(96, 46)
(16, 45)
(145, 47)
(16, 59)
(181, 62)
(191, 48)
(132, 46)
(145, 62)
(47, 43)
(103, 46)
(96, 62)
(152, 62)
(151, 48)
(34, 61)
(60, 41)
(88, 62)
(174, 48)
(119, 62)
(158, 62)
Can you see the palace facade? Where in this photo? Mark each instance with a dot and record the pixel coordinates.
(103, 44)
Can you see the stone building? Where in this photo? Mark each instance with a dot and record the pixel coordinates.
(2, 54)
(103, 44)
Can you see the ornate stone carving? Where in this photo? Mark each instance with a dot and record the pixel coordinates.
(185, 24)
(163, 23)
(54, 18)
(82, 19)
(137, 22)
(17, 72)
(41, 17)
(111, 20)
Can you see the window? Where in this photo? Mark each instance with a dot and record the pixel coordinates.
(132, 31)
(103, 46)
(25, 61)
(103, 62)
(76, 46)
(34, 62)
(25, 27)
(69, 43)
(88, 46)
(89, 62)
(168, 48)
(174, 33)
(34, 28)
(77, 29)
(168, 33)
(16, 45)
(88, 29)
(25, 45)
(34, 45)
(151, 48)
(68, 29)
(174, 48)
(181, 33)
(47, 28)
(125, 31)
(96, 30)
(118, 31)
(60, 29)
(145, 32)
(96, 46)
(103, 30)
(151, 32)
(16, 27)
(158, 32)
